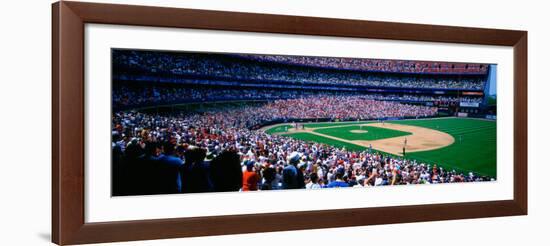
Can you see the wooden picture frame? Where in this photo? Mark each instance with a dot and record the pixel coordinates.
(68, 224)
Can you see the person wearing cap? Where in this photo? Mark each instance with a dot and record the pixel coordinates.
(250, 177)
(290, 172)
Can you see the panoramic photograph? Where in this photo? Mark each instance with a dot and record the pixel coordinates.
(194, 122)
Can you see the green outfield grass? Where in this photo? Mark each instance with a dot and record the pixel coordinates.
(278, 129)
(281, 128)
(329, 141)
(373, 133)
(474, 148)
(327, 124)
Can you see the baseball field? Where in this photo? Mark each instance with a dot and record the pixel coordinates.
(462, 144)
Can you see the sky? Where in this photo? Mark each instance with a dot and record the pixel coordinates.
(493, 80)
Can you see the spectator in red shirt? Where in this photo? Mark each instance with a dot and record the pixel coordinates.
(250, 177)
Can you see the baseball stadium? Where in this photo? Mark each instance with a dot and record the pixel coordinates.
(189, 122)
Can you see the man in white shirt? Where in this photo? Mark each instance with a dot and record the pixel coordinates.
(313, 182)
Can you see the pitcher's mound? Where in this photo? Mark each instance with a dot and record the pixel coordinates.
(359, 131)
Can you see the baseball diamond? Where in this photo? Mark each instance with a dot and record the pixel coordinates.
(430, 140)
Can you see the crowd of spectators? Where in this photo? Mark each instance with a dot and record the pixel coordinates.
(380, 65)
(123, 96)
(135, 96)
(216, 150)
(174, 67)
(341, 107)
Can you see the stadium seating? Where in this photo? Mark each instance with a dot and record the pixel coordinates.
(208, 68)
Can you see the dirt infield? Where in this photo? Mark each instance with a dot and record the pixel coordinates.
(421, 138)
